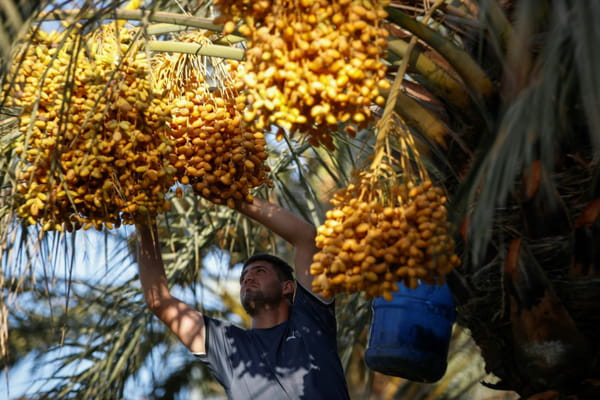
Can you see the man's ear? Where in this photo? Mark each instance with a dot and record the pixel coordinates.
(288, 287)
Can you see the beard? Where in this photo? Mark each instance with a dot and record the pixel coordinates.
(256, 299)
(252, 301)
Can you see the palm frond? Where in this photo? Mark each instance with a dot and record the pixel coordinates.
(531, 127)
(149, 15)
(491, 89)
(585, 34)
(471, 73)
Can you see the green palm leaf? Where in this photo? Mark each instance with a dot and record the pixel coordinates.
(490, 90)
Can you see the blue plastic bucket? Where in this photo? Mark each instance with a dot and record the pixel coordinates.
(410, 334)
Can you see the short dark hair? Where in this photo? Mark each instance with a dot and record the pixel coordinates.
(284, 271)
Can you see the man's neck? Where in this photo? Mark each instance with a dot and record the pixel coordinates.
(270, 316)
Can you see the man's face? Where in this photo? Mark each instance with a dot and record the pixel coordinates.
(260, 286)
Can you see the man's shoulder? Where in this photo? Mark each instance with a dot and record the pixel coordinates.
(310, 309)
(304, 293)
(216, 323)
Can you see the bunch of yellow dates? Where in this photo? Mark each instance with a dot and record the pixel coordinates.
(312, 63)
(367, 245)
(215, 151)
(94, 148)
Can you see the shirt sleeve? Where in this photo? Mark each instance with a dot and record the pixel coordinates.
(217, 347)
(313, 307)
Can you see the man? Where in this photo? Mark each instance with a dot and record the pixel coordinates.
(290, 352)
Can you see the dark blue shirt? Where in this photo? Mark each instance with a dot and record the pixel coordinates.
(296, 359)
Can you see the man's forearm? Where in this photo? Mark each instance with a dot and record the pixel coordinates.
(296, 231)
(293, 229)
(151, 269)
(183, 320)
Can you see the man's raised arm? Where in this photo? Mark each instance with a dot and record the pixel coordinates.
(296, 231)
(183, 320)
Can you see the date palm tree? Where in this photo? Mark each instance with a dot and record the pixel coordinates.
(501, 100)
